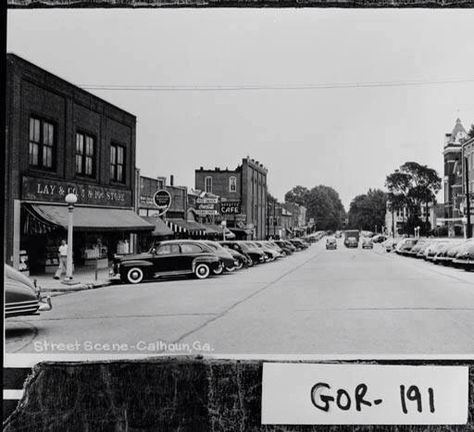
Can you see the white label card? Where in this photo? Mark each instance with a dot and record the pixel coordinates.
(310, 394)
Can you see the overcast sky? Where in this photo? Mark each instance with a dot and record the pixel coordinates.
(347, 138)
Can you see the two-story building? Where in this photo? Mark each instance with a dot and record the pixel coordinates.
(61, 139)
(242, 193)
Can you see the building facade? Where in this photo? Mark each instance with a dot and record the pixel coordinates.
(61, 139)
(395, 219)
(242, 193)
(452, 180)
(468, 180)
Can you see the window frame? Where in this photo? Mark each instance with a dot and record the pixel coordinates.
(205, 184)
(233, 182)
(41, 144)
(114, 178)
(84, 154)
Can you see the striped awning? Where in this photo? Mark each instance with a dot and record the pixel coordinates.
(188, 227)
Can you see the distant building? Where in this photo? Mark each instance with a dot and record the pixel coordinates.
(468, 174)
(242, 193)
(452, 181)
(395, 219)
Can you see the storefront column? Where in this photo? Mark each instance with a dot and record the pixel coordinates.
(16, 233)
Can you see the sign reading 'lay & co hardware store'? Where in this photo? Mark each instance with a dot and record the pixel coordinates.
(308, 394)
(38, 189)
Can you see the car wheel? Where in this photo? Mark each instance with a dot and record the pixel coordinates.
(250, 263)
(219, 270)
(230, 269)
(202, 271)
(134, 275)
(239, 265)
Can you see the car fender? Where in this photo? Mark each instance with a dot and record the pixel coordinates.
(211, 260)
(135, 263)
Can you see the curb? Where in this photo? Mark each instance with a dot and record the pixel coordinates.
(79, 287)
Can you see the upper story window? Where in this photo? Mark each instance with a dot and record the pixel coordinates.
(117, 163)
(41, 150)
(161, 183)
(233, 184)
(85, 155)
(208, 184)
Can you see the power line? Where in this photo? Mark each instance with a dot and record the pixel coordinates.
(241, 87)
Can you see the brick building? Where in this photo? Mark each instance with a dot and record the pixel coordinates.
(61, 139)
(452, 181)
(468, 179)
(242, 193)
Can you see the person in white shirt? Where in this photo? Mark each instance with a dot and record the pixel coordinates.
(62, 260)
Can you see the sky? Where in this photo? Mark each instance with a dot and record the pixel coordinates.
(349, 137)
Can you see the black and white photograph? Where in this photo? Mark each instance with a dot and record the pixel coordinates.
(242, 184)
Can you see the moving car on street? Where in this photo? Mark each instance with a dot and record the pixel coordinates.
(22, 296)
(331, 243)
(367, 243)
(168, 258)
(351, 238)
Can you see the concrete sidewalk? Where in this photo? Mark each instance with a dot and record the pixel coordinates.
(84, 279)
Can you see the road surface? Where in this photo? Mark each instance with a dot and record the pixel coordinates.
(347, 301)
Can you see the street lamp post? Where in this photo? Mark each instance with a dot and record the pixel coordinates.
(70, 199)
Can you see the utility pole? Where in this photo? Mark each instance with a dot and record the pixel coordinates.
(468, 200)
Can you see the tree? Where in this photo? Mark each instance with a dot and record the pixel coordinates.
(413, 186)
(368, 210)
(470, 134)
(298, 195)
(322, 203)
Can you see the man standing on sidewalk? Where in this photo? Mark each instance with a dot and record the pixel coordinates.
(62, 260)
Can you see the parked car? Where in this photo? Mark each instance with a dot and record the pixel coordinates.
(367, 243)
(228, 262)
(22, 296)
(405, 245)
(168, 258)
(253, 252)
(242, 259)
(420, 244)
(432, 248)
(331, 243)
(465, 257)
(286, 246)
(379, 238)
(390, 244)
(299, 244)
(270, 253)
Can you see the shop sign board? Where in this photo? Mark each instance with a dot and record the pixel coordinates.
(230, 207)
(207, 206)
(55, 191)
(162, 200)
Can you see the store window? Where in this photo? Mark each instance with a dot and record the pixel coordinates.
(208, 184)
(233, 184)
(41, 150)
(117, 163)
(85, 155)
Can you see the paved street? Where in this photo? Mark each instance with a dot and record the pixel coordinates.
(348, 301)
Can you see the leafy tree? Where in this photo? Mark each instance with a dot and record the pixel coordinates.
(322, 203)
(412, 186)
(471, 132)
(298, 195)
(368, 210)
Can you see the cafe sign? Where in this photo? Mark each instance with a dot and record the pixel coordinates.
(162, 200)
(230, 207)
(54, 191)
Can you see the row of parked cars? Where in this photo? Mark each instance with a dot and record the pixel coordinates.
(453, 252)
(200, 258)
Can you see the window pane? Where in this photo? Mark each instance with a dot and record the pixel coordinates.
(119, 155)
(79, 143)
(120, 173)
(32, 129)
(112, 172)
(88, 166)
(33, 154)
(89, 146)
(79, 164)
(112, 154)
(47, 157)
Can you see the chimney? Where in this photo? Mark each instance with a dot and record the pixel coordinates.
(171, 180)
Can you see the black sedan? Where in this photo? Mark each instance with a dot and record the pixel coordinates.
(168, 258)
(22, 297)
(255, 254)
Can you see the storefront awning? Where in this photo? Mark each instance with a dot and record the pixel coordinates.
(218, 229)
(92, 219)
(161, 229)
(183, 226)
